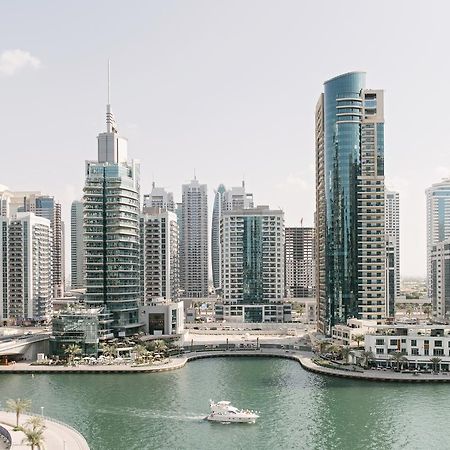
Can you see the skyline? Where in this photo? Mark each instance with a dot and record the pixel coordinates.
(216, 95)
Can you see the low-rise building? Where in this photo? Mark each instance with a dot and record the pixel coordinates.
(259, 313)
(418, 343)
(345, 334)
(162, 317)
(304, 309)
(75, 325)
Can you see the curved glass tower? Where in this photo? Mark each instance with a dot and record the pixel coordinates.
(111, 234)
(215, 235)
(350, 201)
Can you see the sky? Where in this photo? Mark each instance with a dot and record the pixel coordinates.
(225, 88)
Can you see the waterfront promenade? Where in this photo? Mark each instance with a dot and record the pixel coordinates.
(174, 363)
(57, 435)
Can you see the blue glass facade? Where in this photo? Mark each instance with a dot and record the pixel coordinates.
(342, 165)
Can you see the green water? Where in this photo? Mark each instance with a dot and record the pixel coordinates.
(299, 410)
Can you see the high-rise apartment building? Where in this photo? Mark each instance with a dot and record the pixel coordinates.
(299, 261)
(392, 230)
(159, 198)
(46, 206)
(111, 233)
(350, 211)
(438, 220)
(440, 279)
(12, 202)
(160, 265)
(215, 236)
(77, 263)
(252, 242)
(25, 268)
(194, 240)
(225, 200)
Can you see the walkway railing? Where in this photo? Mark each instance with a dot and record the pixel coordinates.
(6, 436)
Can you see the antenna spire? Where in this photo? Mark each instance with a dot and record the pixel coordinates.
(110, 122)
(109, 81)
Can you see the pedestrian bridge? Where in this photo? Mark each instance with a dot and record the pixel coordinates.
(26, 346)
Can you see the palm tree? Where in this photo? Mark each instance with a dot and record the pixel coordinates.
(71, 351)
(36, 422)
(345, 353)
(323, 346)
(108, 350)
(366, 358)
(141, 352)
(18, 406)
(398, 358)
(435, 361)
(160, 346)
(426, 308)
(33, 438)
(358, 338)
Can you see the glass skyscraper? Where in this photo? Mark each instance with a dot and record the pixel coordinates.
(438, 221)
(111, 234)
(350, 276)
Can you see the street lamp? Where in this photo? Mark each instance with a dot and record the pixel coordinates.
(42, 411)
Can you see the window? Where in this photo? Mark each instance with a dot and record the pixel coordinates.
(438, 352)
(415, 352)
(438, 343)
(380, 351)
(413, 342)
(381, 342)
(426, 352)
(393, 342)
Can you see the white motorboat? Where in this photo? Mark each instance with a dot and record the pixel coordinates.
(224, 412)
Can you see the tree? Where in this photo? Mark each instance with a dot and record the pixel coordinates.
(18, 406)
(141, 352)
(71, 351)
(426, 308)
(33, 438)
(323, 346)
(108, 350)
(159, 346)
(398, 358)
(345, 353)
(435, 361)
(358, 338)
(366, 358)
(36, 422)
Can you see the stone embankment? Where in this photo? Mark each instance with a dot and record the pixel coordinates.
(303, 358)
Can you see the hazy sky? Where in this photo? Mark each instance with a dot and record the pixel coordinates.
(226, 87)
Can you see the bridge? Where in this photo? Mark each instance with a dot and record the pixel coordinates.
(25, 346)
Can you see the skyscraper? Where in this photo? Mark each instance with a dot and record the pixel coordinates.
(299, 262)
(350, 211)
(215, 235)
(252, 242)
(77, 263)
(159, 198)
(46, 206)
(160, 265)
(194, 240)
(392, 230)
(225, 200)
(25, 268)
(42, 206)
(440, 279)
(111, 232)
(438, 220)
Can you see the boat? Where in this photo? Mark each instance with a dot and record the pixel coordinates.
(224, 412)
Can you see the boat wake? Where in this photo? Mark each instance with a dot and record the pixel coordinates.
(154, 414)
